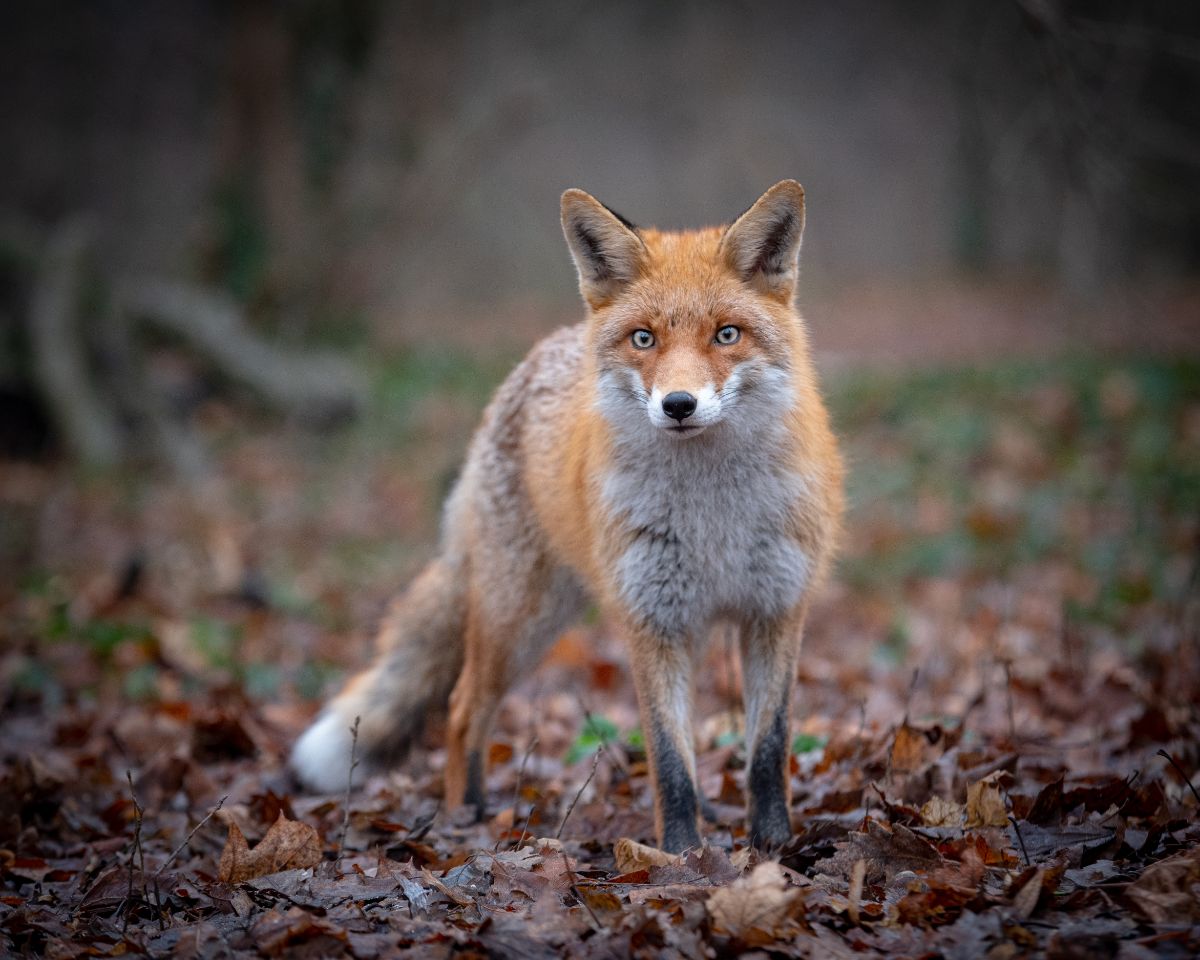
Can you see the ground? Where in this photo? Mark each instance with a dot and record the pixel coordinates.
(995, 725)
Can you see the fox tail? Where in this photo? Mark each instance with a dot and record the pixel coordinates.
(419, 660)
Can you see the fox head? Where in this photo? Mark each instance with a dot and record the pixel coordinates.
(691, 329)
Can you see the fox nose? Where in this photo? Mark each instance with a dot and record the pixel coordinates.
(679, 405)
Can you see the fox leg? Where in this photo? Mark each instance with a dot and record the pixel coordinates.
(508, 631)
(473, 704)
(769, 654)
(662, 673)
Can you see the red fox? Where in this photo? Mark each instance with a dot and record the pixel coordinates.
(670, 459)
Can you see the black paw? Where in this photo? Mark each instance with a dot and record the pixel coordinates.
(679, 837)
(769, 832)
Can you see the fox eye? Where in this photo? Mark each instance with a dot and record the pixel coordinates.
(727, 335)
(642, 339)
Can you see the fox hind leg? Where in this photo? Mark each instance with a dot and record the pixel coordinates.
(507, 633)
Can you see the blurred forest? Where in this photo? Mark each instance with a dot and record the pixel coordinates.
(263, 263)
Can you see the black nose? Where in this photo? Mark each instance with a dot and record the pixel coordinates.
(679, 405)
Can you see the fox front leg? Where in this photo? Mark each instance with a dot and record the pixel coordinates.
(769, 654)
(662, 672)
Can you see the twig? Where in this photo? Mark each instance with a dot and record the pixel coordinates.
(579, 896)
(533, 742)
(1020, 839)
(349, 785)
(134, 847)
(912, 691)
(1012, 723)
(857, 876)
(571, 808)
(188, 839)
(1178, 769)
(525, 826)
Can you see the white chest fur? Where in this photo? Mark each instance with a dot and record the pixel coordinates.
(708, 519)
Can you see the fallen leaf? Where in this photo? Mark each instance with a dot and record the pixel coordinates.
(939, 812)
(631, 856)
(753, 907)
(1048, 807)
(985, 803)
(911, 749)
(1026, 899)
(276, 933)
(288, 845)
(1169, 891)
(886, 850)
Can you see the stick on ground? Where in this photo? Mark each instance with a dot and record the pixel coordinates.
(349, 786)
(570, 809)
(188, 839)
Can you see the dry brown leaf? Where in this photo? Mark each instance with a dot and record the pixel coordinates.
(939, 812)
(631, 856)
(288, 845)
(761, 902)
(886, 850)
(985, 803)
(1169, 891)
(911, 750)
(1026, 899)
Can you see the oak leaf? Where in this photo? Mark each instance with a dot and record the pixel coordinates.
(939, 812)
(631, 856)
(985, 803)
(1169, 891)
(288, 845)
(753, 907)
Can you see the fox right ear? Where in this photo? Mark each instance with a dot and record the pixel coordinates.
(605, 246)
(763, 244)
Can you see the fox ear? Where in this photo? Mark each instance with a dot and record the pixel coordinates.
(763, 244)
(606, 248)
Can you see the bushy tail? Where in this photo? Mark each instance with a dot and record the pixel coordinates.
(420, 656)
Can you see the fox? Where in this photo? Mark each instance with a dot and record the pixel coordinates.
(670, 460)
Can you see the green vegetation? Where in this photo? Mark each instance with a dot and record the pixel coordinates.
(972, 473)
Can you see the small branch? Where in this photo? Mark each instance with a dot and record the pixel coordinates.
(349, 785)
(575, 890)
(525, 826)
(571, 808)
(520, 782)
(318, 382)
(1178, 769)
(134, 847)
(912, 692)
(1012, 722)
(1020, 839)
(857, 876)
(188, 839)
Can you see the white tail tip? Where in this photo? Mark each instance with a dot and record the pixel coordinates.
(321, 757)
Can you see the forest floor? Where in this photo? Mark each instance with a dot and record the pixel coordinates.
(996, 712)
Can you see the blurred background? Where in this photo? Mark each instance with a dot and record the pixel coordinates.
(261, 265)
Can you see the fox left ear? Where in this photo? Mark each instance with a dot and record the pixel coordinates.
(762, 246)
(605, 246)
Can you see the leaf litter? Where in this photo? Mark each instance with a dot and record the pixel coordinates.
(997, 726)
